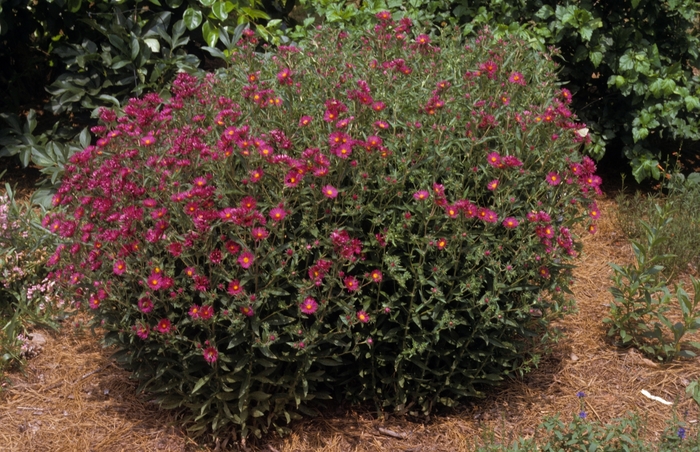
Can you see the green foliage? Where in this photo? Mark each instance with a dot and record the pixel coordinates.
(586, 435)
(384, 217)
(640, 314)
(27, 297)
(681, 197)
(629, 64)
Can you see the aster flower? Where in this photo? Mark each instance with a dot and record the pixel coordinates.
(206, 312)
(543, 272)
(553, 178)
(245, 259)
(94, 302)
(164, 326)
(376, 275)
(494, 159)
(362, 316)
(510, 223)
(260, 234)
(305, 121)
(492, 185)
(247, 311)
(351, 284)
(155, 281)
(330, 192)
(421, 195)
(194, 311)
(210, 354)
(309, 306)
(234, 287)
(517, 78)
(441, 243)
(119, 267)
(278, 214)
(141, 331)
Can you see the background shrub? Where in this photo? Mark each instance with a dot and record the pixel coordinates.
(386, 217)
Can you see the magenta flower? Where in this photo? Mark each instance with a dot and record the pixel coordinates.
(277, 214)
(245, 259)
(543, 272)
(94, 302)
(148, 140)
(155, 281)
(517, 78)
(215, 257)
(234, 287)
(376, 275)
(206, 312)
(330, 191)
(510, 223)
(260, 234)
(421, 195)
(553, 178)
(247, 311)
(194, 311)
(164, 326)
(141, 331)
(119, 267)
(309, 306)
(211, 354)
(305, 121)
(145, 305)
(492, 185)
(494, 159)
(362, 316)
(351, 284)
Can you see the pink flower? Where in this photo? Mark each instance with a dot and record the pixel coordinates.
(441, 244)
(245, 259)
(305, 121)
(155, 281)
(148, 140)
(232, 247)
(119, 267)
(247, 311)
(494, 159)
(593, 211)
(164, 326)
(145, 305)
(141, 331)
(378, 106)
(543, 272)
(510, 223)
(206, 312)
(362, 316)
(309, 306)
(211, 354)
(94, 302)
(215, 257)
(277, 214)
(516, 78)
(553, 178)
(194, 311)
(351, 284)
(330, 191)
(421, 195)
(492, 185)
(260, 234)
(376, 275)
(234, 287)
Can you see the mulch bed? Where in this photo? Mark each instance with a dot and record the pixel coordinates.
(72, 398)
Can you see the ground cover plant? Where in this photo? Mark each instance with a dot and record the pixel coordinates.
(27, 297)
(387, 218)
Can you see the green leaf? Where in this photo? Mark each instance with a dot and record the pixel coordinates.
(192, 18)
(596, 58)
(210, 34)
(692, 103)
(201, 382)
(635, 3)
(219, 10)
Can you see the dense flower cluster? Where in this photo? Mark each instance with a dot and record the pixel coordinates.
(344, 212)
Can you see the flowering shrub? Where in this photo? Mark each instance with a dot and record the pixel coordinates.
(27, 295)
(385, 218)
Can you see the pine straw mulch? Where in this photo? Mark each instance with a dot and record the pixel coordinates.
(72, 398)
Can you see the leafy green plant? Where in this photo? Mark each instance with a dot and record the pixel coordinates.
(681, 196)
(629, 64)
(384, 217)
(27, 297)
(639, 313)
(586, 435)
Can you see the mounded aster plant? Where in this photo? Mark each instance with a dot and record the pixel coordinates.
(386, 217)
